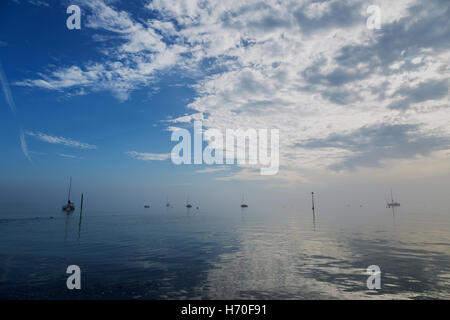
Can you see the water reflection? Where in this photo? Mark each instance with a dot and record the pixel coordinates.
(66, 225)
(285, 261)
(239, 255)
(314, 221)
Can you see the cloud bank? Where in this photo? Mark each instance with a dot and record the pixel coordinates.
(342, 95)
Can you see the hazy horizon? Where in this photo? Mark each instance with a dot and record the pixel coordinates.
(360, 107)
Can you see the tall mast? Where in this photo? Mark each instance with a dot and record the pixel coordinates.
(312, 199)
(70, 187)
(392, 197)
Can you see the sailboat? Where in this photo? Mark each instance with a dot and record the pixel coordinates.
(188, 204)
(167, 202)
(393, 203)
(70, 206)
(243, 204)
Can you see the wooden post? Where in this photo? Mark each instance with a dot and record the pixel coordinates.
(81, 214)
(81, 206)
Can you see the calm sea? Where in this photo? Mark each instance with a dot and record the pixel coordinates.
(236, 255)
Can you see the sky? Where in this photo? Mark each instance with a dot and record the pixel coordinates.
(359, 109)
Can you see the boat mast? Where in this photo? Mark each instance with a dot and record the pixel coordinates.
(70, 187)
(392, 197)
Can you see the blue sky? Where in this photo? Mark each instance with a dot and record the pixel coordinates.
(99, 103)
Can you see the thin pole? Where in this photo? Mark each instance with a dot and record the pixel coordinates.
(81, 214)
(314, 214)
(81, 206)
(70, 187)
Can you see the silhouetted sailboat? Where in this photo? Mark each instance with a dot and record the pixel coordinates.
(188, 204)
(393, 203)
(243, 204)
(69, 207)
(167, 202)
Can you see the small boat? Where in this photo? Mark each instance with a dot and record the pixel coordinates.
(393, 203)
(147, 206)
(243, 204)
(70, 206)
(188, 204)
(167, 203)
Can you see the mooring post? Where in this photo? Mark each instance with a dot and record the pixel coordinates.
(81, 215)
(81, 206)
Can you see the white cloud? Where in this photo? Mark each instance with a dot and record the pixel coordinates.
(129, 66)
(213, 169)
(60, 140)
(6, 90)
(39, 3)
(311, 69)
(149, 156)
(24, 147)
(63, 155)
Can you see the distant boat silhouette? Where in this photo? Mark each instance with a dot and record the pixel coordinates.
(147, 206)
(167, 203)
(243, 204)
(393, 203)
(188, 204)
(69, 207)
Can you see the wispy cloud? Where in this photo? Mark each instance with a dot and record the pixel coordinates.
(6, 90)
(39, 3)
(23, 145)
(63, 155)
(10, 101)
(149, 156)
(60, 140)
(213, 169)
(133, 64)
